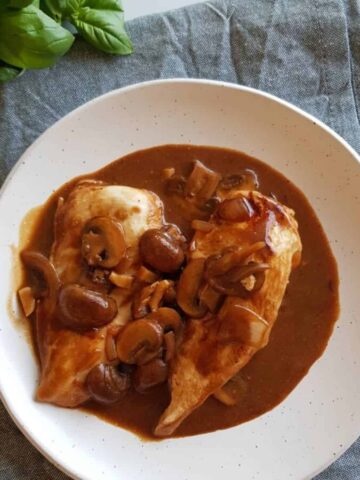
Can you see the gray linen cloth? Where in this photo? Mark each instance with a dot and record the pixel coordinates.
(305, 51)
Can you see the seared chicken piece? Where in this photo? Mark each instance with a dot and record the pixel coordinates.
(246, 257)
(66, 355)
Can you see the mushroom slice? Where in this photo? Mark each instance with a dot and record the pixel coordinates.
(202, 183)
(188, 289)
(48, 284)
(168, 319)
(151, 297)
(121, 280)
(103, 242)
(106, 384)
(139, 341)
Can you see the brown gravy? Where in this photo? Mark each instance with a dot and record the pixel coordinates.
(307, 315)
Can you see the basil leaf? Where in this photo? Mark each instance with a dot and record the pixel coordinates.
(31, 39)
(56, 9)
(101, 23)
(18, 3)
(8, 72)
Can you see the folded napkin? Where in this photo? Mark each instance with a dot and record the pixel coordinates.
(306, 52)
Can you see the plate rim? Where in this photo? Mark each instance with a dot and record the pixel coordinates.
(52, 457)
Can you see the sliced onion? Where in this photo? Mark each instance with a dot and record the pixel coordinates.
(230, 282)
(229, 258)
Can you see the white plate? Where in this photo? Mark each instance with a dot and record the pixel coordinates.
(321, 417)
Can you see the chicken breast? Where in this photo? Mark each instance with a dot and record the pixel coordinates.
(216, 347)
(68, 356)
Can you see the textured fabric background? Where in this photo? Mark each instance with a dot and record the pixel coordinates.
(305, 51)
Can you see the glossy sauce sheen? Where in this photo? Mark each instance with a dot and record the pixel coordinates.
(307, 315)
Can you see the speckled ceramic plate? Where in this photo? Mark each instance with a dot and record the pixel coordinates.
(321, 417)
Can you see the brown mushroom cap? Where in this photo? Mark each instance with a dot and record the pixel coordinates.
(188, 289)
(103, 242)
(162, 250)
(81, 308)
(139, 341)
(106, 384)
(149, 375)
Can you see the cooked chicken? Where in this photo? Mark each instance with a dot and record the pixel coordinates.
(67, 356)
(246, 257)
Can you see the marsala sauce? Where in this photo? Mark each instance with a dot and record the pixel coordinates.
(306, 318)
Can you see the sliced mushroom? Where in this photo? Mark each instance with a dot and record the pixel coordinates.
(162, 250)
(159, 294)
(236, 209)
(145, 275)
(240, 324)
(106, 384)
(81, 308)
(121, 280)
(245, 180)
(168, 319)
(149, 375)
(151, 297)
(188, 289)
(47, 283)
(103, 242)
(202, 183)
(110, 342)
(139, 341)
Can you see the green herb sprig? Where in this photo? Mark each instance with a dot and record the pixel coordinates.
(32, 33)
